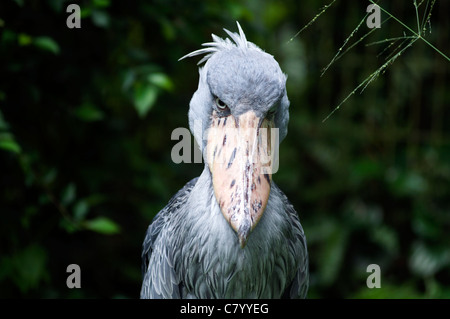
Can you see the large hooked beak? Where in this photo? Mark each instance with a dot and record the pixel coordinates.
(239, 156)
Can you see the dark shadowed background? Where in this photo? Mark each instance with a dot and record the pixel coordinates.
(86, 117)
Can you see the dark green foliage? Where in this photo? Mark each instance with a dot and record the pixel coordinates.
(86, 117)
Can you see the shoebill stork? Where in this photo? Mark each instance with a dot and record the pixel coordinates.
(231, 232)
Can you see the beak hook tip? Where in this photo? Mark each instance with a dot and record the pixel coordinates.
(243, 233)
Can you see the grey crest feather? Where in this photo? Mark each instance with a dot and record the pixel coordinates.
(219, 44)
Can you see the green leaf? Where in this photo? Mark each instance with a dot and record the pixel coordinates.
(168, 29)
(68, 226)
(426, 261)
(29, 267)
(333, 253)
(8, 36)
(144, 98)
(365, 169)
(161, 80)
(80, 210)
(388, 291)
(85, 12)
(47, 44)
(3, 124)
(24, 39)
(10, 145)
(273, 14)
(386, 238)
(69, 194)
(407, 183)
(102, 3)
(100, 18)
(50, 176)
(82, 206)
(102, 225)
(89, 113)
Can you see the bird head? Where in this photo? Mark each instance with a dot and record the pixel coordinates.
(238, 116)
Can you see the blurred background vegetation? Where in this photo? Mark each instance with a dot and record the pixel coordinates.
(86, 117)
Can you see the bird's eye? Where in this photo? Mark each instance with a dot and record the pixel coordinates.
(272, 110)
(221, 104)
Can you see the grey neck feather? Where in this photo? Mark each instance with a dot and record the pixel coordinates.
(263, 263)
